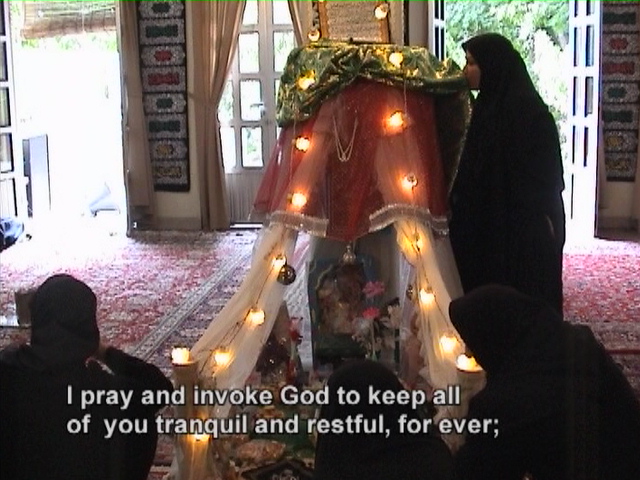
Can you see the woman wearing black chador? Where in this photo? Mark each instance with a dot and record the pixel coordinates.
(507, 215)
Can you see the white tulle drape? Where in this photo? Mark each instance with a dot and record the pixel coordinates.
(435, 272)
(230, 330)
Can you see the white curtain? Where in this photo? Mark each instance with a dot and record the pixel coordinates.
(215, 27)
(301, 15)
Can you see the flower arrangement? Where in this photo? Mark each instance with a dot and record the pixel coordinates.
(377, 326)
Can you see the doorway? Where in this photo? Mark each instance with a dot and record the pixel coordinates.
(69, 117)
(560, 42)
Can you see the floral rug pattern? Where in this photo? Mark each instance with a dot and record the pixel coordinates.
(158, 290)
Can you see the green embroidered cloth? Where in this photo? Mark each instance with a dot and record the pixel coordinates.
(331, 66)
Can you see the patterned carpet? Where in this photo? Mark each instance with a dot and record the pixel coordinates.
(159, 290)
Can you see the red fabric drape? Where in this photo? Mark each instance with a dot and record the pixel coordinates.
(363, 190)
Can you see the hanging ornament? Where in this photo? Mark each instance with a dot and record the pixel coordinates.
(286, 275)
(410, 293)
(349, 257)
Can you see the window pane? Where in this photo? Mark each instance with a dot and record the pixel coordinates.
(249, 50)
(250, 16)
(225, 109)
(6, 157)
(5, 114)
(228, 138)
(281, 14)
(3, 62)
(251, 104)
(252, 147)
(276, 89)
(283, 43)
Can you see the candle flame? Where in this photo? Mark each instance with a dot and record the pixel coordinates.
(180, 356)
(467, 364)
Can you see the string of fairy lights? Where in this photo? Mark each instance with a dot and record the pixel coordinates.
(221, 356)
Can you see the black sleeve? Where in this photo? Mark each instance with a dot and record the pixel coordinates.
(135, 374)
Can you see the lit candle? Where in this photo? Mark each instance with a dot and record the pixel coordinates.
(180, 356)
(467, 364)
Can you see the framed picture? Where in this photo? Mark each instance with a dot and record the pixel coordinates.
(359, 21)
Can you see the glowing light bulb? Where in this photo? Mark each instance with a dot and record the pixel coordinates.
(298, 200)
(417, 242)
(255, 316)
(396, 120)
(396, 59)
(427, 296)
(409, 181)
(467, 364)
(180, 356)
(449, 343)
(302, 143)
(279, 261)
(314, 35)
(382, 11)
(222, 356)
(201, 437)
(306, 81)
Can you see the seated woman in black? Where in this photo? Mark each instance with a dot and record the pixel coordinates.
(565, 410)
(41, 431)
(350, 456)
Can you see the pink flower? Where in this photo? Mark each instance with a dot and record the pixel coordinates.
(373, 289)
(371, 313)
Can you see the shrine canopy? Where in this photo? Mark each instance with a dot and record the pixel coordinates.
(370, 133)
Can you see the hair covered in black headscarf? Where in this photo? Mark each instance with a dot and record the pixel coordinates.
(565, 410)
(507, 221)
(64, 328)
(376, 457)
(502, 68)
